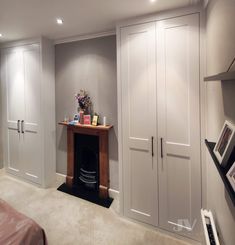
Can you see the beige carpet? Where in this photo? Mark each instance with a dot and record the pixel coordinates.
(70, 220)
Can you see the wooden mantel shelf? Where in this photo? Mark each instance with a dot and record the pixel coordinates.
(99, 127)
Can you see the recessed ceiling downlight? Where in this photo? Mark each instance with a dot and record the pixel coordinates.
(152, 1)
(0, 34)
(59, 21)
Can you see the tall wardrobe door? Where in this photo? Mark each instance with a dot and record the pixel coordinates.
(138, 81)
(179, 124)
(31, 121)
(13, 105)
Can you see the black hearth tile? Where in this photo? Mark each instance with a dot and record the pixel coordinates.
(88, 195)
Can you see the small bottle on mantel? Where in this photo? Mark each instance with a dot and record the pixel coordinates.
(66, 119)
(104, 121)
(81, 117)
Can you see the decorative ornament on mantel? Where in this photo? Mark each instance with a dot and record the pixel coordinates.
(84, 104)
(84, 101)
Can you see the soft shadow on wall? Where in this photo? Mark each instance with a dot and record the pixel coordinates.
(90, 65)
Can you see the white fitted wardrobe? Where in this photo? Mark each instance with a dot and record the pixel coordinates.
(28, 105)
(159, 117)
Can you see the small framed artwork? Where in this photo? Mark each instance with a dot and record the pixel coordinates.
(81, 117)
(231, 176)
(87, 119)
(76, 117)
(95, 120)
(225, 143)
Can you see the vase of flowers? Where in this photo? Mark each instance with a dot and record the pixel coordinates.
(84, 103)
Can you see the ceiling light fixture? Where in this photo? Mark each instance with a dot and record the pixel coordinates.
(0, 34)
(152, 1)
(59, 21)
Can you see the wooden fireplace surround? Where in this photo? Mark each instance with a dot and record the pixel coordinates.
(100, 131)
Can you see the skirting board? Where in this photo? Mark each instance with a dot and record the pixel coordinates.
(2, 171)
(113, 193)
(60, 179)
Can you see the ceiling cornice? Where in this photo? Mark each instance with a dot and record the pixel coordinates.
(85, 37)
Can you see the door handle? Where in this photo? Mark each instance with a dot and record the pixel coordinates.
(18, 126)
(22, 126)
(152, 147)
(161, 147)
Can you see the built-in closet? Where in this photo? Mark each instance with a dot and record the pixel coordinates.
(159, 116)
(28, 98)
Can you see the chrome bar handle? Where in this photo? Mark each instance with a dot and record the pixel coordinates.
(161, 147)
(18, 126)
(22, 126)
(152, 147)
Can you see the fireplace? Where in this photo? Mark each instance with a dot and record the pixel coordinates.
(88, 158)
(86, 161)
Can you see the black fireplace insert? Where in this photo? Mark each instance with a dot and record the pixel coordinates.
(86, 162)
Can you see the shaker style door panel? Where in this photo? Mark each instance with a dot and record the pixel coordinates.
(27, 91)
(139, 122)
(13, 104)
(21, 80)
(30, 124)
(179, 124)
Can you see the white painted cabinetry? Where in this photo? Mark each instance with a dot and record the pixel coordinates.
(159, 116)
(178, 101)
(139, 122)
(28, 99)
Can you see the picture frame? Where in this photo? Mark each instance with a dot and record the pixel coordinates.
(95, 120)
(231, 176)
(87, 119)
(81, 117)
(76, 117)
(208, 221)
(225, 143)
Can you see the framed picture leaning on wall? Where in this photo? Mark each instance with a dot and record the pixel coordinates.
(95, 120)
(87, 119)
(225, 143)
(231, 176)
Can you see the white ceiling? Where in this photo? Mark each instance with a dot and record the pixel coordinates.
(20, 19)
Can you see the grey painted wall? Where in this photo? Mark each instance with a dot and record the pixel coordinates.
(89, 65)
(220, 106)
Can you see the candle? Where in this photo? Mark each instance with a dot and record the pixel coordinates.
(104, 121)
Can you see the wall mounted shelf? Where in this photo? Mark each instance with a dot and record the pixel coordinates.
(225, 76)
(222, 171)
